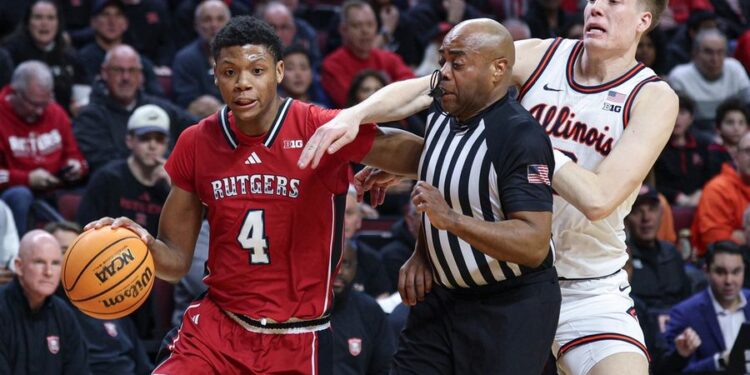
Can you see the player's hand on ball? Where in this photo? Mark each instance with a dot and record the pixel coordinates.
(429, 200)
(330, 137)
(123, 222)
(687, 342)
(414, 279)
(376, 181)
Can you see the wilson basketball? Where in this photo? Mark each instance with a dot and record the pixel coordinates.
(108, 273)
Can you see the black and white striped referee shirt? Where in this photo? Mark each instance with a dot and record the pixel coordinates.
(498, 162)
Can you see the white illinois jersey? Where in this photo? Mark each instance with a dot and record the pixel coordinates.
(585, 122)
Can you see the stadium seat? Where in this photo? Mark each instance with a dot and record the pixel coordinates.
(163, 294)
(383, 223)
(165, 81)
(67, 205)
(683, 217)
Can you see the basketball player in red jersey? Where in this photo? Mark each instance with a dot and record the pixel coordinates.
(276, 230)
(611, 114)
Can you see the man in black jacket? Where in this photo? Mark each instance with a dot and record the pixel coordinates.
(40, 334)
(101, 126)
(362, 339)
(659, 277)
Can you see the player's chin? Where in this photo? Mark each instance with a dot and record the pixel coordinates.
(246, 112)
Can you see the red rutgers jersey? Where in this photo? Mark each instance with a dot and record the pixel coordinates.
(276, 229)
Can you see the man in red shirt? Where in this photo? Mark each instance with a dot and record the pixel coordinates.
(358, 31)
(276, 230)
(37, 150)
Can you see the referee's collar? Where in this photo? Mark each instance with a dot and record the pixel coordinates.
(473, 121)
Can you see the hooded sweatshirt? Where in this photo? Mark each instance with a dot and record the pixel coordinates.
(47, 143)
(720, 210)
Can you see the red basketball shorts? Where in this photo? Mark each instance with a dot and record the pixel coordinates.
(210, 342)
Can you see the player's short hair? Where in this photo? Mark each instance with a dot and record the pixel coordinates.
(721, 247)
(64, 225)
(656, 7)
(349, 5)
(242, 30)
(686, 103)
(729, 105)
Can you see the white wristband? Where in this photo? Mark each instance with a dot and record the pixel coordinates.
(560, 159)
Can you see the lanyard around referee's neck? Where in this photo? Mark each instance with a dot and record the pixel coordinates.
(436, 92)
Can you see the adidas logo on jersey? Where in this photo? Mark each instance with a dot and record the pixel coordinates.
(253, 159)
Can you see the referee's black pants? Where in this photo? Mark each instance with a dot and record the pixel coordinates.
(505, 328)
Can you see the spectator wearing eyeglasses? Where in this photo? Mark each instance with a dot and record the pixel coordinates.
(38, 153)
(101, 126)
(723, 202)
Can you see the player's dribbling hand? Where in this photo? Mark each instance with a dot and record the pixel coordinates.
(376, 181)
(687, 342)
(429, 200)
(123, 222)
(330, 137)
(414, 279)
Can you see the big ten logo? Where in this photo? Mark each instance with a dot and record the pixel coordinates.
(612, 107)
(293, 143)
(114, 264)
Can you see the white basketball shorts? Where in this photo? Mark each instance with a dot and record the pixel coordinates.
(597, 319)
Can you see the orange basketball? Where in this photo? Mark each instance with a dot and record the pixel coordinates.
(108, 273)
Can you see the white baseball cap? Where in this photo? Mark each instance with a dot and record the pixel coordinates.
(148, 118)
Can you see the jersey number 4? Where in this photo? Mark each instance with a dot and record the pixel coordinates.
(253, 237)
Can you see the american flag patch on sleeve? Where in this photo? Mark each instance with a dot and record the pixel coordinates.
(538, 174)
(615, 97)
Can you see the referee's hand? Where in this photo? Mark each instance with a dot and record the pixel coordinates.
(430, 201)
(414, 279)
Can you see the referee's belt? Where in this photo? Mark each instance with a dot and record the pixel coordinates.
(270, 327)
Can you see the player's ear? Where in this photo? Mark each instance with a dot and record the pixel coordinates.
(644, 22)
(279, 71)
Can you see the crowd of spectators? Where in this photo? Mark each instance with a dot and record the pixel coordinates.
(94, 94)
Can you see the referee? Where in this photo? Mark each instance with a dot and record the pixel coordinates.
(486, 200)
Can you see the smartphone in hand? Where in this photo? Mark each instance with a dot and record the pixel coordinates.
(61, 174)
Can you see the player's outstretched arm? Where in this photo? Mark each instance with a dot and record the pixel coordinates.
(597, 193)
(395, 151)
(393, 102)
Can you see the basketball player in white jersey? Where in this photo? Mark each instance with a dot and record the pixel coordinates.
(612, 116)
